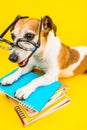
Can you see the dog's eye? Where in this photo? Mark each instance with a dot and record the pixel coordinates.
(29, 36)
(13, 36)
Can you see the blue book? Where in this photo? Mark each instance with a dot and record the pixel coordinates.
(39, 98)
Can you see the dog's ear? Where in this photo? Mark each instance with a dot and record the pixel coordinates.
(48, 25)
(17, 17)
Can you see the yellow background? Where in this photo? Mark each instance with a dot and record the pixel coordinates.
(71, 20)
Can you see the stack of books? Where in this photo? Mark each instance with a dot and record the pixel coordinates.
(42, 102)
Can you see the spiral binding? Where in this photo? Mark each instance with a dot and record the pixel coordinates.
(19, 112)
(26, 106)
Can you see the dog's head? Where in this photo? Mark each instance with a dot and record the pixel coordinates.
(29, 29)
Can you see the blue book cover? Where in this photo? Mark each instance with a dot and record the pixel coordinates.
(38, 99)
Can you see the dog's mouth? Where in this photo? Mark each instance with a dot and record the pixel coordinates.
(23, 62)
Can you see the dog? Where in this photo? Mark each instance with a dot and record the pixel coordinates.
(56, 59)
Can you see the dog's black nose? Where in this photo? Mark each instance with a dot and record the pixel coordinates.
(13, 57)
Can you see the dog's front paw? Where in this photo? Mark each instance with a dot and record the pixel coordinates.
(24, 92)
(8, 80)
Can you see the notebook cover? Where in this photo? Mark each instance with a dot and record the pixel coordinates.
(38, 99)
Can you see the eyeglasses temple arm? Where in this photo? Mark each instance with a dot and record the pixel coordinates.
(5, 31)
(39, 32)
(5, 40)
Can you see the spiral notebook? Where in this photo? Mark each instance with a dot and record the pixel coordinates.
(39, 98)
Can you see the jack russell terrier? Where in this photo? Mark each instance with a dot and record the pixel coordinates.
(54, 58)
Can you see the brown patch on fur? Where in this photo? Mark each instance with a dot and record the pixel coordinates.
(28, 24)
(32, 24)
(67, 56)
(48, 25)
(82, 67)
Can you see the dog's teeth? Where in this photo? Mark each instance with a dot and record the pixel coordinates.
(23, 62)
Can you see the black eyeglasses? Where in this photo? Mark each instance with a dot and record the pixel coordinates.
(3, 40)
(23, 43)
(27, 44)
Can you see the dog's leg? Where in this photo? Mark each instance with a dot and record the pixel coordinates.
(15, 76)
(46, 79)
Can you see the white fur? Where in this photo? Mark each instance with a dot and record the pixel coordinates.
(69, 71)
(47, 60)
